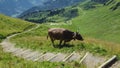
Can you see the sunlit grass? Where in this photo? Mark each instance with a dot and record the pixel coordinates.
(111, 47)
(101, 23)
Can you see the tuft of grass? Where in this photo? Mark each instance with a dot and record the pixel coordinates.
(112, 48)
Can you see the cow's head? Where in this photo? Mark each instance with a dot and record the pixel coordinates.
(78, 36)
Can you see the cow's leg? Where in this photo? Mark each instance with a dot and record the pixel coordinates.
(60, 42)
(64, 42)
(52, 40)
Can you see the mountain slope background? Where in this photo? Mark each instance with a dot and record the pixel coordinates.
(65, 14)
(15, 7)
(53, 8)
(57, 15)
(52, 5)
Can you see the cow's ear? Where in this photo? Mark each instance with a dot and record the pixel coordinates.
(77, 32)
(74, 39)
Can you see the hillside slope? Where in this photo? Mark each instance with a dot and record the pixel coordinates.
(98, 24)
(51, 5)
(10, 25)
(57, 15)
(96, 18)
(67, 13)
(15, 7)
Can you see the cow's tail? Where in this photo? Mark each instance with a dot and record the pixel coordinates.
(47, 36)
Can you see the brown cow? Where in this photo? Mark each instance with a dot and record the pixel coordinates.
(63, 35)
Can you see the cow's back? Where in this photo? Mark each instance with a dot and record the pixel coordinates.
(60, 33)
(56, 33)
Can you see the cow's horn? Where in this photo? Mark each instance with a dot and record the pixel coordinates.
(74, 35)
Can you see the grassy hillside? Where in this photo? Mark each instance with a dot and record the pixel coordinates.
(98, 25)
(100, 22)
(60, 14)
(56, 15)
(10, 25)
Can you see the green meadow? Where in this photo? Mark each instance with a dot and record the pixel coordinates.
(99, 26)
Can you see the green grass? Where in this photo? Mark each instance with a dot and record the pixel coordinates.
(100, 23)
(10, 25)
(99, 27)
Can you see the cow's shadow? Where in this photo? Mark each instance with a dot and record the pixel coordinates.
(64, 45)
